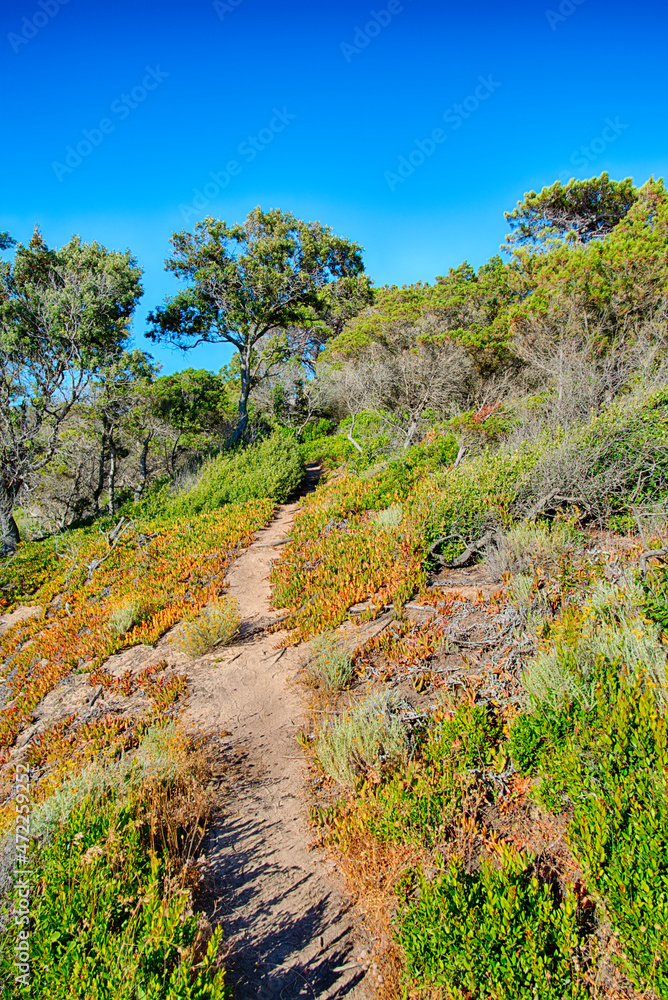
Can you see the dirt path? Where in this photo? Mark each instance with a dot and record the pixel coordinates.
(289, 932)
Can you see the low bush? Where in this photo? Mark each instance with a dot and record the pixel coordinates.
(272, 469)
(111, 889)
(496, 934)
(370, 737)
(214, 626)
(526, 545)
(125, 617)
(332, 665)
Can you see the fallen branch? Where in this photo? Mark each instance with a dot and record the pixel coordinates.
(472, 549)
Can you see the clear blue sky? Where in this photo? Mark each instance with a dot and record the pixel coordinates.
(182, 89)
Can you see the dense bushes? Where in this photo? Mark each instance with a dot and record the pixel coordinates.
(598, 737)
(271, 469)
(497, 934)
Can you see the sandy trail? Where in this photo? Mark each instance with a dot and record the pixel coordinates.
(287, 926)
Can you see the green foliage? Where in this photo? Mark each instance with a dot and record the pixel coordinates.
(578, 211)
(249, 283)
(106, 920)
(273, 468)
(597, 735)
(25, 571)
(471, 736)
(619, 782)
(422, 803)
(497, 934)
(535, 738)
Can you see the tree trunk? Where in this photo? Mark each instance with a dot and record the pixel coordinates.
(141, 485)
(111, 505)
(10, 530)
(242, 422)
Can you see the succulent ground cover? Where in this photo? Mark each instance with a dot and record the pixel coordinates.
(493, 775)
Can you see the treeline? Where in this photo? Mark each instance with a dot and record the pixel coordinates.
(576, 309)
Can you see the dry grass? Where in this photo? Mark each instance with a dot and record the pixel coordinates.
(215, 626)
(370, 737)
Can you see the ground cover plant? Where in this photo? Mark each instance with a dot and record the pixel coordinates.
(111, 887)
(570, 724)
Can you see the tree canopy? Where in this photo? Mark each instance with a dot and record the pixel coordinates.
(578, 211)
(249, 285)
(64, 318)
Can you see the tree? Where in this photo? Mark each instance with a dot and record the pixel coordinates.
(192, 407)
(249, 285)
(64, 318)
(579, 211)
(117, 396)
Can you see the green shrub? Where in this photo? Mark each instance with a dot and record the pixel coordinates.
(214, 626)
(332, 665)
(534, 737)
(471, 737)
(273, 468)
(496, 934)
(369, 737)
(104, 922)
(614, 771)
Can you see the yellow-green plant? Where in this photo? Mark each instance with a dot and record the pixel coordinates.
(215, 626)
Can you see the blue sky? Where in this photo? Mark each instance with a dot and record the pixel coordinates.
(117, 113)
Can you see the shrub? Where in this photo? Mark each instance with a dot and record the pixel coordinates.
(106, 919)
(471, 737)
(496, 934)
(332, 665)
(526, 545)
(390, 518)
(215, 626)
(126, 616)
(273, 468)
(370, 737)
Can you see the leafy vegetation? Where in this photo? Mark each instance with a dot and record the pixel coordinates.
(111, 890)
(491, 760)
